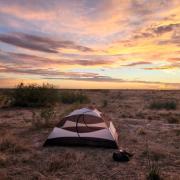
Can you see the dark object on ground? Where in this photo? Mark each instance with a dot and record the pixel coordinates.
(122, 156)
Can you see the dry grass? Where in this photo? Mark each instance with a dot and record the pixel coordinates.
(42, 118)
(177, 132)
(22, 136)
(9, 143)
(141, 131)
(173, 120)
(154, 172)
(63, 162)
(3, 160)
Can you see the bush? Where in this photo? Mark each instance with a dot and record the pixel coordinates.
(43, 118)
(177, 132)
(34, 95)
(72, 97)
(5, 101)
(105, 103)
(168, 105)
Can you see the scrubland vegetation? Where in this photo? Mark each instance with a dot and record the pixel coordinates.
(69, 97)
(147, 123)
(165, 104)
(46, 95)
(34, 95)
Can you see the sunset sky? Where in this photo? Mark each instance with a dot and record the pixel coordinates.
(132, 44)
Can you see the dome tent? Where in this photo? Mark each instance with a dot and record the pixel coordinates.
(83, 127)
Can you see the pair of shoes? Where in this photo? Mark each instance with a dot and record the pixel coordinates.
(122, 156)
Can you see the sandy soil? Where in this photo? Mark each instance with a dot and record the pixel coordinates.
(23, 157)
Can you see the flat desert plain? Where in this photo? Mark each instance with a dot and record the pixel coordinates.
(151, 134)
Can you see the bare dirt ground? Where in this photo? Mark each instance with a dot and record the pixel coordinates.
(22, 155)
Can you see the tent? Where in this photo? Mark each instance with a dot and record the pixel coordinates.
(84, 127)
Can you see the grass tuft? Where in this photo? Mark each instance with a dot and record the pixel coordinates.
(43, 118)
(168, 105)
(177, 132)
(173, 120)
(104, 103)
(141, 131)
(153, 166)
(154, 172)
(3, 160)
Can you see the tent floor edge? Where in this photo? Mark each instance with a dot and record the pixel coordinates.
(83, 142)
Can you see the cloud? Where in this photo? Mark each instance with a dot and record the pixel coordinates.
(79, 17)
(153, 32)
(160, 68)
(174, 39)
(143, 35)
(49, 73)
(22, 59)
(165, 28)
(174, 59)
(40, 43)
(165, 67)
(138, 63)
(117, 80)
(92, 78)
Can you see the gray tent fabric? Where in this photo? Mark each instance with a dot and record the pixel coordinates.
(83, 127)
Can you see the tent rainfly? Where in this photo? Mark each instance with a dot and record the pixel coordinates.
(83, 127)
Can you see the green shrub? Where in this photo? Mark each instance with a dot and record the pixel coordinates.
(68, 97)
(105, 103)
(47, 115)
(34, 95)
(168, 105)
(177, 132)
